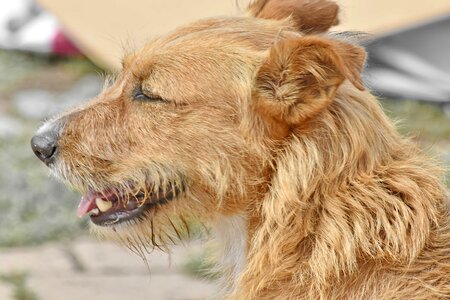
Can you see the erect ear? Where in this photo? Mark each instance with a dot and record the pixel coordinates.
(309, 16)
(299, 77)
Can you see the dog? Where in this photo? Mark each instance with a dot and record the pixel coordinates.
(261, 127)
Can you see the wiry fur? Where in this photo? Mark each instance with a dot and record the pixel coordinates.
(366, 209)
(271, 137)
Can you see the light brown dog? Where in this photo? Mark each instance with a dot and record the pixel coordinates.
(261, 127)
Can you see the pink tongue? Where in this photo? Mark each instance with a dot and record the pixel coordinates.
(87, 204)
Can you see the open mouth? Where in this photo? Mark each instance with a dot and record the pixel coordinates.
(110, 208)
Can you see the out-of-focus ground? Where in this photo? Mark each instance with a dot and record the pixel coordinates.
(89, 269)
(44, 251)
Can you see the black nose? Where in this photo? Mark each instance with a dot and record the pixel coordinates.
(44, 146)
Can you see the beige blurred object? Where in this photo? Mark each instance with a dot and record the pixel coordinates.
(380, 16)
(106, 29)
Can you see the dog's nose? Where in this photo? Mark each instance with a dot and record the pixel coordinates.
(44, 146)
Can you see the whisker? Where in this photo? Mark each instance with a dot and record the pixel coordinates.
(154, 237)
(132, 247)
(174, 228)
(186, 225)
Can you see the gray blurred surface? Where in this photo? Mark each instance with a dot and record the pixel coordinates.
(412, 63)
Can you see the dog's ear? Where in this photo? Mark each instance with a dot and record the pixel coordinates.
(299, 77)
(310, 16)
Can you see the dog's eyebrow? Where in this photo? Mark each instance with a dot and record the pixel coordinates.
(141, 74)
(127, 61)
(138, 67)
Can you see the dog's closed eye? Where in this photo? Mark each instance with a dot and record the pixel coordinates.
(141, 95)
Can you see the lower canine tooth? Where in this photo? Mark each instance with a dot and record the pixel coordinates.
(95, 211)
(103, 205)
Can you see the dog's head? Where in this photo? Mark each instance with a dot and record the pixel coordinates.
(192, 123)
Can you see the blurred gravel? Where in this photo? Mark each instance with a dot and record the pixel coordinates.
(10, 127)
(34, 207)
(41, 104)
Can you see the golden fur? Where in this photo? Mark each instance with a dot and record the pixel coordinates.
(265, 123)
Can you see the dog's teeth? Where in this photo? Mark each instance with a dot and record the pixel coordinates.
(95, 211)
(102, 204)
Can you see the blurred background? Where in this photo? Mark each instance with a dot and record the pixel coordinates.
(53, 55)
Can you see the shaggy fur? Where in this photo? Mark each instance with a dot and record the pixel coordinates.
(265, 127)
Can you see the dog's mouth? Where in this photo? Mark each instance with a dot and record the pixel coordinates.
(110, 207)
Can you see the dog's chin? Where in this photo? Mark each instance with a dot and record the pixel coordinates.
(141, 230)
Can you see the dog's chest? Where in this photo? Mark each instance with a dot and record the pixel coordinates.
(231, 232)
